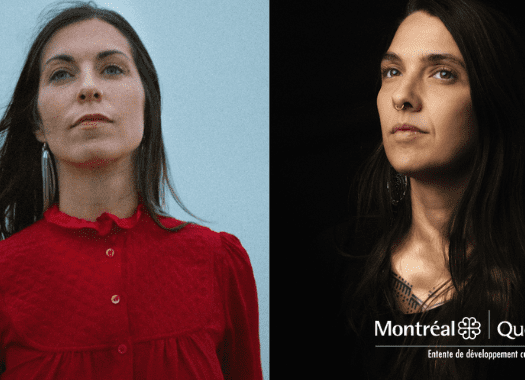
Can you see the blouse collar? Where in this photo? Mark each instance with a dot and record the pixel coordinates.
(102, 225)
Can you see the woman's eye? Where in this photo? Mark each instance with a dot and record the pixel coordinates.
(113, 70)
(59, 75)
(389, 72)
(444, 74)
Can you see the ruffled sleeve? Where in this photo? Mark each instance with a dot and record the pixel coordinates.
(241, 353)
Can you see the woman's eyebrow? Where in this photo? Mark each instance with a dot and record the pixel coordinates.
(100, 56)
(430, 58)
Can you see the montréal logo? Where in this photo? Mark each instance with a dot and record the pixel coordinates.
(468, 328)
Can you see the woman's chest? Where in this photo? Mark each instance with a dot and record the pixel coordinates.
(417, 283)
(74, 299)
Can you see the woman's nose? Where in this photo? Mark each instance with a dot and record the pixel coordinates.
(90, 95)
(89, 90)
(407, 95)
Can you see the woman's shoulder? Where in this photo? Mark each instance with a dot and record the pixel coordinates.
(20, 251)
(198, 232)
(224, 249)
(28, 239)
(204, 239)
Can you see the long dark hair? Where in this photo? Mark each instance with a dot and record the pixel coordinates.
(491, 212)
(21, 202)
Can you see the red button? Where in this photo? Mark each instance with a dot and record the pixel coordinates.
(115, 299)
(122, 349)
(110, 252)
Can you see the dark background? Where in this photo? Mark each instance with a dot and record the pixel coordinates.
(324, 123)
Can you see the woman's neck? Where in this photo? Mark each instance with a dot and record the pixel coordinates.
(87, 193)
(421, 257)
(433, 204)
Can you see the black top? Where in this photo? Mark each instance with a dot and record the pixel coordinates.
(343, 354)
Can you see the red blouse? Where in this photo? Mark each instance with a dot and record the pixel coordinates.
(124, 299)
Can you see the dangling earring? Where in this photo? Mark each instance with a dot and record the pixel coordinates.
(48, 177)
(397, 187)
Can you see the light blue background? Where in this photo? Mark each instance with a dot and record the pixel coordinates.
(212, 58)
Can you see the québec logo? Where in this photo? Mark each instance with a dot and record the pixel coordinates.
(469, 328)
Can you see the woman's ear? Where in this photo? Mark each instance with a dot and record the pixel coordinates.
(39, 134)
(39, 131)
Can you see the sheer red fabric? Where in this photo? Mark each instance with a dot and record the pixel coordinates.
(125, 299)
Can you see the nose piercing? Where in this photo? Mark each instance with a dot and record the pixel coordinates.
(399, 109)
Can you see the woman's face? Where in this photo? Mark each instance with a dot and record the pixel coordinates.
(424, 70)
(87, 69)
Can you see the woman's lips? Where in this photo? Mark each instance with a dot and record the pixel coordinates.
(407, 134)
(92, 118)
(406, 127)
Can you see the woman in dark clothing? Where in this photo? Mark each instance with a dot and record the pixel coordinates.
(441, 212)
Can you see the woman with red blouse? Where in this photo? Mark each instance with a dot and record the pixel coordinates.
(97, 282)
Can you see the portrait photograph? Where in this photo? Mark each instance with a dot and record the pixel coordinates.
(398, 164)
(134, 190)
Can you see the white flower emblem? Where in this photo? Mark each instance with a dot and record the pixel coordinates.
(469, 328)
